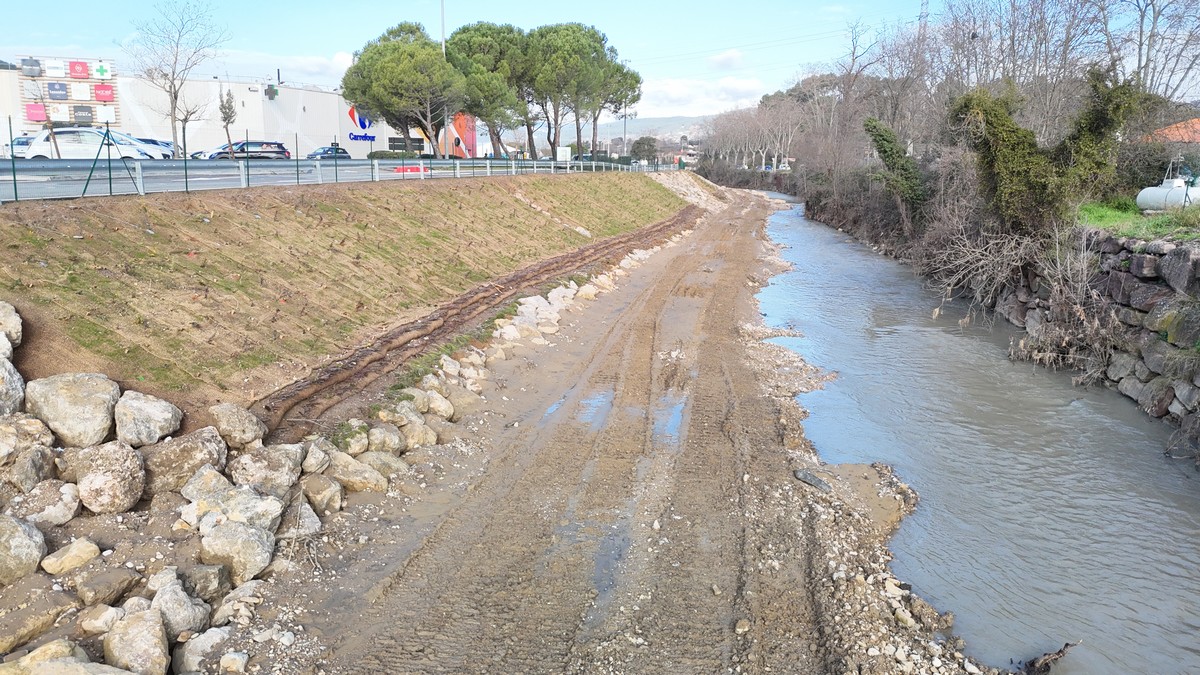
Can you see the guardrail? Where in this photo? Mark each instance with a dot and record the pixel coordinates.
(66, 179)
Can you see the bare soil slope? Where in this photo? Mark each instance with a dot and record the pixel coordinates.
(228, 296)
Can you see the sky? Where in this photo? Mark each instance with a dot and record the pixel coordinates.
(696, 58)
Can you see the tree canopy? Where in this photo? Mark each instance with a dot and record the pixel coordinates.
(403, 78)
(503, 76)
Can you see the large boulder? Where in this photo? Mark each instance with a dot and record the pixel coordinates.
(1178, 269)
(111, 476)
(50, 503)
(245, 549)
(143, 419)
(418, 435)
(99, 619)
(138, 643)
(209, 491)
(19, 432)
(464, 402)
(299, 520)
(385, 463)
(316, 454)
(440, 405)
(12, 388)
(385, 438)
(354, 475)
(353, 437)
(31, 466)
(10, 323)
(210, 583)
(181, 612)
(106, 586)
(200, 653)
(272, 470)
(56, 652)
(171, 463)
(238, 426)
(323, 493)
(76, 554)
(22, 547)
(78, 407)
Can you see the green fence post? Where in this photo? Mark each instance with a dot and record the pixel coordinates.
(12, 158)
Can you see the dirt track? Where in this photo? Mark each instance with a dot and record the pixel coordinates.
(624, 502)
(553, 561)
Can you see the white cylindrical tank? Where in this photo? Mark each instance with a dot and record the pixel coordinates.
(1174, 193)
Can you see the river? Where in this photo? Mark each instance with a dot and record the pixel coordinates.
(1048, 512)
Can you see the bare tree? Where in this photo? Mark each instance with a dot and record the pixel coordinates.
(1156, 41)
(170, 46)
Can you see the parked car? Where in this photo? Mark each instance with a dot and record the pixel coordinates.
(18, 147)
(168, 148)
(329, 152)
(87, 143)
(252, 150)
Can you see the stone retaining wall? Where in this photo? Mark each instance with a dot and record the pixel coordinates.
(1152, 289)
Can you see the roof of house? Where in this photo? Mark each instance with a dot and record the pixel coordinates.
(1184, 132)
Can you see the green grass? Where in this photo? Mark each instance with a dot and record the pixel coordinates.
(1182, 224)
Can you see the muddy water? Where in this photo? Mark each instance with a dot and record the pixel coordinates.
(1048, 513)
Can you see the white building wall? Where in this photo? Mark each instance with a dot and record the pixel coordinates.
(303, 119)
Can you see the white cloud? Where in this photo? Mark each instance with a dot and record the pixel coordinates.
(726, 60)
(691, 97)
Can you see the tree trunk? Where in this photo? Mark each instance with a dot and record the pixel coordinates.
(229, 140)
(578, 135)
(497, 145)
(595, 133)
(532, 149)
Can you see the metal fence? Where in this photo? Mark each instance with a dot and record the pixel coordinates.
(22, 179)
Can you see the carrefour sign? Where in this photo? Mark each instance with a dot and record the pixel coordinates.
(363, 123)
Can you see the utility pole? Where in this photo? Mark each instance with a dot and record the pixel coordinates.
(445, 108)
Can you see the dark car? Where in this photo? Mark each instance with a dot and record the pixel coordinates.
(329, 152)
(253, 150)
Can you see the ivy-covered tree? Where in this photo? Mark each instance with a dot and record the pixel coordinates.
(900, 175)
(1029, 187)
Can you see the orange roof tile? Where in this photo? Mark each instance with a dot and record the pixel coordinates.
(1184, 132)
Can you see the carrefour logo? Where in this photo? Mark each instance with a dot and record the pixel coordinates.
(360, 121)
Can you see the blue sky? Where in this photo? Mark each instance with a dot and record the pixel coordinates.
(699, 57)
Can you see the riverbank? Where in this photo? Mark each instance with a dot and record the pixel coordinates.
(628, 489)
(626, 501)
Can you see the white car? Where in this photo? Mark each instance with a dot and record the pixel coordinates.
(18, 147)
(86, 143)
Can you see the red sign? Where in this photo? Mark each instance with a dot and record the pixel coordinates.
(79, 69)
(35, 112)
(104, 92)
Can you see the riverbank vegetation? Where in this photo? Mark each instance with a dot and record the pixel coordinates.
(973, 142)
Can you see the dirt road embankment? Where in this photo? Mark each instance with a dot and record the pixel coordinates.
(230, 295)
(626, 500)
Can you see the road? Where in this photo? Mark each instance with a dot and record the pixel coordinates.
(57, 179)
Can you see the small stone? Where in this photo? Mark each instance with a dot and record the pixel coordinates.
(234, 662)
(716, 589)
(873, 651)
(971, 668)
(742, 627)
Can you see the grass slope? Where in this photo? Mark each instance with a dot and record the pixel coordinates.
(229, 295)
